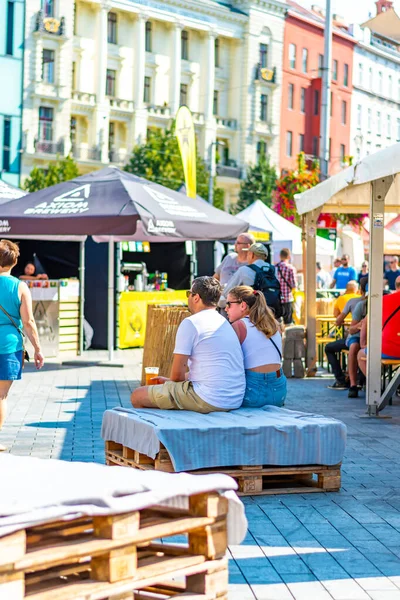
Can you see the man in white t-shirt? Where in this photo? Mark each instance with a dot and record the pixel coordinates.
(234, 260)
(207, 344)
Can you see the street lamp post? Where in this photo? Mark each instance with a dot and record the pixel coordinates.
(213, 169)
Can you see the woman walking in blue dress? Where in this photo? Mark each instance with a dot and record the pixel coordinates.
(15, 313)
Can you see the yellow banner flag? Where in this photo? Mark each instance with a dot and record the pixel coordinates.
(184, 131)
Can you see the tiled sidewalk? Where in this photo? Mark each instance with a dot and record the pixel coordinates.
(342, 546)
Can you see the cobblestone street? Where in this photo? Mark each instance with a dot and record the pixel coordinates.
(337, 546)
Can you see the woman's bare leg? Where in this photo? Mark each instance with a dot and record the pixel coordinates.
(4, 389)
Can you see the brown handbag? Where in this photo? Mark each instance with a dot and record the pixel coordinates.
(25, 355)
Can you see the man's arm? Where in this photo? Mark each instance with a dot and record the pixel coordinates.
(340, 318)
(292, 278)
(243, 276)
(336, 310)
(179, 367)
(333, 284)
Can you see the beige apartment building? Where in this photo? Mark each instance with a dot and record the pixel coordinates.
(99, 74)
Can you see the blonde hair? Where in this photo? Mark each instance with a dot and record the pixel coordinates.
(9, 253)
(260, 315)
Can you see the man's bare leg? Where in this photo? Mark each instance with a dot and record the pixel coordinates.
(4, 389)
(353, 365)
(362, 361)
(140, 398)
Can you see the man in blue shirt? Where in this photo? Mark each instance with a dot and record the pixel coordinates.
(392, 273)
(344, 274)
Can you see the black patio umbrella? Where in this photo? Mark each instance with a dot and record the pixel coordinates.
(111, 202)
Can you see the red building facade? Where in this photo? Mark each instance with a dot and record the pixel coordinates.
(301, 89)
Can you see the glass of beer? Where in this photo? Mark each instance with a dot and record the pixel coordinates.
(150, 372)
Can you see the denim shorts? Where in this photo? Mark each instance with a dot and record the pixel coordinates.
(352, 339)
(11, 366)
(264, 389)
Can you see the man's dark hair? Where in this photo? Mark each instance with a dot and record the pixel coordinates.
(208, 288)
(284, 253)
(318, 265)
(363, 284)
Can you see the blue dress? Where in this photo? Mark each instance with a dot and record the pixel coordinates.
(11, 342)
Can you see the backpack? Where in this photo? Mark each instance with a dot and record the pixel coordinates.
(267, 282)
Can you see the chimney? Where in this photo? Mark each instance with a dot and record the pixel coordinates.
(383, 6)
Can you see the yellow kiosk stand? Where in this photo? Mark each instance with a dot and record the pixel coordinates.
(132, 313)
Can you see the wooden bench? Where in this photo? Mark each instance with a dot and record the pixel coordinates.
(117, 555)
(252, 480)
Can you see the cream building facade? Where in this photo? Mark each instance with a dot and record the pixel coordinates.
(99, 74)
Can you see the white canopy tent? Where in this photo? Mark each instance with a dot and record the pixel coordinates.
(284, 233)
(371, 186)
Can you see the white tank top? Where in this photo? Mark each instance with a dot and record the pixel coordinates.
(258, 350)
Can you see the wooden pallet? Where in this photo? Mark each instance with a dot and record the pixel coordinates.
(252, 480)
(116, 556)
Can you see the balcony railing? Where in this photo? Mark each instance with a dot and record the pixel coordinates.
(49, 24)
(227, 123)
(85, 153)
(163, 111)
(229, 170)
(118, 157)
(198, 117)
(84, 97)
(49, 147)
(120, 104)
(265, 74)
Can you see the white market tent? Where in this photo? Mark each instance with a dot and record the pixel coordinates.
(284, 233)
(370, 186)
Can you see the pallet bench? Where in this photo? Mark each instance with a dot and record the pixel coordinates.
(252, 480)
(94, 558)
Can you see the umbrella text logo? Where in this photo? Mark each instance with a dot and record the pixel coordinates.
(70, 203)
(4, 226)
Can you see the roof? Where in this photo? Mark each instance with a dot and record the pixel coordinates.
(314, 16)
(229, 6)
(386, 24)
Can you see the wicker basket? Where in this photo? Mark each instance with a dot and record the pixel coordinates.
(162, 324)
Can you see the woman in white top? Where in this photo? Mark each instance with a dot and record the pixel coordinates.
(261, 340)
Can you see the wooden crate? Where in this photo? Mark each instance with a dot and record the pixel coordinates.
(92, 558)
(252, 480)
(162, 324)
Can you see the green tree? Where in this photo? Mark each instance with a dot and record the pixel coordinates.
(258, 185)
(159, 160)
(63, 169)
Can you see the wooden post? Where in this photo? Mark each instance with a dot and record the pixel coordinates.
(311, 289)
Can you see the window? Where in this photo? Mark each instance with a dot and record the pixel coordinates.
(10, 29)
(378, 123)
(301, 142)
(112, 28)
(147, 90)
(316, 102)
(110, 82)
(289, 143)
(111, 137)
(215, 102)
(183, 94)
(346, 75)
(48, 66)
(216, 52)
(148, 36)
(369, 120)
(320, 64)
(360, 74)
(315, 146)
(264, 107)
(371, 78)
(388, 126)
(6, 143)
(344, 112)
(73, 77)
(303, 100)
(290, 96)
(359, 116)
(304, 60)
(335, 68)
(380, 82)
(342, 152)
(72, 132)
(330, 149)
(398, 130)
(331, 107)
(292, 56)
(263, 55)
(390, 86)
(45, 123)
(261, 149)
(184, 45)
(48, 8)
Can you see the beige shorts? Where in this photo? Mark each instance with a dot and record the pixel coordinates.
(179, 395)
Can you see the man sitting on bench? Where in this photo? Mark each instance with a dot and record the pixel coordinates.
(207, 343)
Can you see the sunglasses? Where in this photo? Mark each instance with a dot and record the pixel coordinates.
(229, 302)
(189, 293)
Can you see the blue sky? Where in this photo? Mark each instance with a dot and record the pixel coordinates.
(354, 11)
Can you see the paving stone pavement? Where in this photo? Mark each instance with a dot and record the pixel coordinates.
(340, 546)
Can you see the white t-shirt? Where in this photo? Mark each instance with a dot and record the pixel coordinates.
(228, 267)
(258, 350)
(216, 366)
